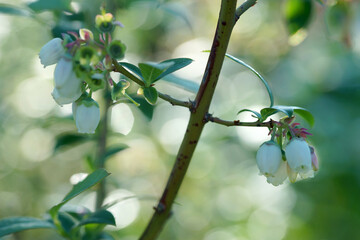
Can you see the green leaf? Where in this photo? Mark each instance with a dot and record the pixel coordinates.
(289, 111)
(183, 83)
(67, 222)
(76, 211)
(69, 139)
(267, 112)
(132, 68)
(44, 5)
(101, 216)
(151, 95)
(258, 115)
(146, 108)
(268, 89)
(297, 14)
(87, 183)
(174, 65)
(17, 224)
(306, 115)
(151, 71)
(14, 10)
(115, 149)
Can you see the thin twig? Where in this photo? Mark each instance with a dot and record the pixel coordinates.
(175, 102)
(166, 97)
(243, 8)
(228, 123)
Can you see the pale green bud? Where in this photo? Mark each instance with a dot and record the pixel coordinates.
(86, 113)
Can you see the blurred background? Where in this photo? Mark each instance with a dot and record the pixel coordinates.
(314, 64)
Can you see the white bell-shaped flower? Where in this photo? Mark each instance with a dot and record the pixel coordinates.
(86, 113)
(280, 175)
(51, 52)
(67, 84)
(268, 158)
(63, 71)
(298, 156)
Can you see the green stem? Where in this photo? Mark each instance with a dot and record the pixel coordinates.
(198, 117)
(101, 148)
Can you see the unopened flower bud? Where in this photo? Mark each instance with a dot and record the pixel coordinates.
(86, 34)
(104, 22)
(86, 113)
(51, 52)
(268, 158)
(298, 156)
(314, 160)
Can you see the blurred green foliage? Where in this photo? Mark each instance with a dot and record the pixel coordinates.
(222, 197)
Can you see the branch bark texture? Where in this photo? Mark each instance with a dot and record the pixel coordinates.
(228, 16)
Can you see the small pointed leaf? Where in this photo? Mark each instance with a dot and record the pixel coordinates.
(15, 10)
(268, 89)
(17, 224)
(150, 95)
(110, 151)
(297, 14)
(289, 111)
(174, 65)
(151, 71)
(101, 216)
(82, 186)
(132, 68)
(69, 139)
(54, 5)
(182, 83)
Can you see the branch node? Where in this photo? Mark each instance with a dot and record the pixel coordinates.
(160, 207)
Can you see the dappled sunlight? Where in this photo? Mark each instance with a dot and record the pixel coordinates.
(32, 97)
(37, 144)
(122, 119)
(125, 209)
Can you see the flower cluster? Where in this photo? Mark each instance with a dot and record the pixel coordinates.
(83, 66)
(296, 161)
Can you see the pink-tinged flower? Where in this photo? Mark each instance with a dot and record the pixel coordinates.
(86, 113)
(67, 84)
(298, 156)
(314, 159)
(51, 52)
(268, 158)
(280, 176)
